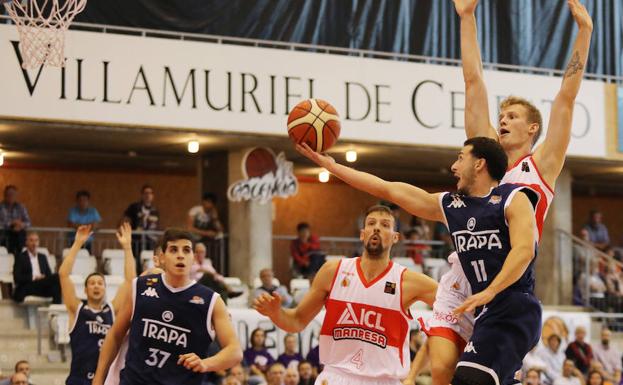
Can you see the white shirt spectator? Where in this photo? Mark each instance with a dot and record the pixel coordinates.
(34, 262)
(553, 361)
(562, 380)
(609, 356)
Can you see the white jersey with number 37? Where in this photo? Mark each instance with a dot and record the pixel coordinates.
(365, 329)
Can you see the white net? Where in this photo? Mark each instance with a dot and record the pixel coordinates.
(42, 25)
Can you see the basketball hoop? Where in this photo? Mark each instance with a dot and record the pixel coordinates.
(41, 25)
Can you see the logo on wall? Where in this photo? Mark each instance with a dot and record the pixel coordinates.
(266, 176)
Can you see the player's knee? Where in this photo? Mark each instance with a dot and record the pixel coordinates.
(442, 371)
(465, 375)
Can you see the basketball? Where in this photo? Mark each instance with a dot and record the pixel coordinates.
(314, 122)
(259, 162)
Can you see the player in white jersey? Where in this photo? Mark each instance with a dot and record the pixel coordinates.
(364, 336)
(519, 128)
(114, 373)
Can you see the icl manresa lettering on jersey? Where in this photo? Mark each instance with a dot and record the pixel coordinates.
(481, 235)
(86, 338)
(167, 322)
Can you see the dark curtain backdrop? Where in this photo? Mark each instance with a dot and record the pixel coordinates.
(535, 33)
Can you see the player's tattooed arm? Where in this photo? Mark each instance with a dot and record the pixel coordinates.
(477, 121)
(413, 199)
(550, 156)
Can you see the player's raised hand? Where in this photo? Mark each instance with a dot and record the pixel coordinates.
(124, 235)
(580, 14)
(472, 302)
(465, 7)
(82, 234)
(191, 361)
(321, 160)
(268, 305)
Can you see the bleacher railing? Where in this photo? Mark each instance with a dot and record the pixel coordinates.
(55, 239)
(588, 260)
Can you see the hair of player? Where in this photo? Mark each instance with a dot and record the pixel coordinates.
(210, 196)
(86, 280)
(83, 193)
(378, 209)
(145, 187)
(302, 226)
(492, 152)
(533, 113)
(173, 234)
(18, 363)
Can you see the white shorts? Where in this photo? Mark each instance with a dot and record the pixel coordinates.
(331, 376)
(452, 291)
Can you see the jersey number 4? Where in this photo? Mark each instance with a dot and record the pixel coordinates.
(358, 359)
(479, 269)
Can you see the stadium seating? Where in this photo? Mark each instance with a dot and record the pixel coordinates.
(298, 288)
(408, 263)
(257, 282)
(85, 264)
(113, 261)
(236, 285)
(113, 282)
(78, 281)
(147, 260)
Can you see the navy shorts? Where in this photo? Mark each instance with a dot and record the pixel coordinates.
(504, 332)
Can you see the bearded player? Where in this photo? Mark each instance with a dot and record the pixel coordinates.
(363, 339)
(519, 128)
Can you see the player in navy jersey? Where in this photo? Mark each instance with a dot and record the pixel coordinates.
(171, 321)
(504, 278)
(90, 320)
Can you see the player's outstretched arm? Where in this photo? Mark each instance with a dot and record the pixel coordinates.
(124, 236)
(230, 353)
(113, 339)
(550, 156)
(295, 320)
(413, 199)
(68, 289)
(477, 121)
(522, 228)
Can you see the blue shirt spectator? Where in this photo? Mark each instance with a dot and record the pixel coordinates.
(597, 231)
(83, 214)
(14, 221)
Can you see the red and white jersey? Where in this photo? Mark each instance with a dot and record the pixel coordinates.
(365, 329)
(525, 172)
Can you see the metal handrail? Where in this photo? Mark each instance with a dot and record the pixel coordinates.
(356, 240)
(595, 251)
(147, 32)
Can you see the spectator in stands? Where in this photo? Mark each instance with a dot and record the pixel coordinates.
(313, 356)
(532, 377)
(143, 215)
(597, 231)
(204, 273)
(239, 373)
(305, 250)
(32, 274)
(203, 220)
(609, 356)
(292, 377)
(570, 375)
(231, 380)
(306, 373)
(421, 227)
(614, 283)
(22, 368)
(532, 361)
(579, 351)
(414, 250)
(596, 286)
(257, 358)
(553, 357)
(290, 358)
(276, 374)
(595, 378)
(83, 214)
(266, 276)
(396, 214)
(14, 220)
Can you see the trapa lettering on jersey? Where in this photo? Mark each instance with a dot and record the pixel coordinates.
(466, 240)
(164, 332)
(96, 327)
(368, 318)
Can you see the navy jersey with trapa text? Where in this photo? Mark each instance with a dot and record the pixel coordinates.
(86, 338)
(167, 322)
(481, 235)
